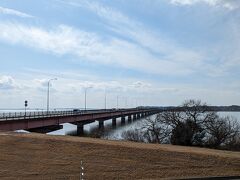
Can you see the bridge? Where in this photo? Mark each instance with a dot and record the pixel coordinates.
(44, 122)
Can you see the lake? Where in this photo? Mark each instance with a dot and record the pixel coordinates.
(92, 130)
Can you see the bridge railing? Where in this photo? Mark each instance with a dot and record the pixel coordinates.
(38, 114)
(44, 114)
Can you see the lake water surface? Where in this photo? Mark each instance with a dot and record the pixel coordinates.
(115, 134)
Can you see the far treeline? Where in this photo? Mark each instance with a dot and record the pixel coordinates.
(192, 124)
(235, 108)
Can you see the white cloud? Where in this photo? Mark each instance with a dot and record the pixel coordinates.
(72, 85)
(149, 40)
(140, 84)
(138, 32)
(89, 46)
(228, 4)
(13, 12)
(169, 55)
(68, 92)
(41, 82)
(7, 83)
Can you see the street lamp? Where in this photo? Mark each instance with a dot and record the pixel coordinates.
(126, 102)
(105, 99)
(85, 91)
(117, 101)
(49, 81)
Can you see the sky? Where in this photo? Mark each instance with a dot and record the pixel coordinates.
(138, 52)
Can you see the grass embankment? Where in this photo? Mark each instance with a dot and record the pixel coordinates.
(35, 156)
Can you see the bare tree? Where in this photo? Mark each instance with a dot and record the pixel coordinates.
(193, 123)
(186, 122)
(221, 130)
(151, 131)
(170, 118)
(197, 112)
(155, 132)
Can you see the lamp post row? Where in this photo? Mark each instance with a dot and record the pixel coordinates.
(85, 92)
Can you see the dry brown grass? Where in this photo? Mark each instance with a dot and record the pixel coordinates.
(35, 156)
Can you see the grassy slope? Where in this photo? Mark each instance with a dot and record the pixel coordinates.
(35, 156)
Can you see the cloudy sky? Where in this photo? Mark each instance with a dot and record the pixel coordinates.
(146, 52)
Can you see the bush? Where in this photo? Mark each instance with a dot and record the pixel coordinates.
(133, 135)
(187, 133)
(233, 144)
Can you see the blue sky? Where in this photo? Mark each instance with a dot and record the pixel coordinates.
(147, 52)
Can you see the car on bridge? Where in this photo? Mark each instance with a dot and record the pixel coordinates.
(77, 111)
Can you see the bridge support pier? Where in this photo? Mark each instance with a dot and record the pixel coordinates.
(80, 129)
(101, 125)
(123, 120)
(134, 117)
(144, 114)
(138, 116)
(114, 122)
(80, 126)
(130, 119)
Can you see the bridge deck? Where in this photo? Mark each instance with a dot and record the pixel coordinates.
(17, 121)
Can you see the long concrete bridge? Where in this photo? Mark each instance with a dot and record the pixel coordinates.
(44, 122)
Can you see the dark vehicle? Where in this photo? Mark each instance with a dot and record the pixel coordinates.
(77, 111)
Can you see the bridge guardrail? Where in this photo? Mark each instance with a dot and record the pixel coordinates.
(39, 114)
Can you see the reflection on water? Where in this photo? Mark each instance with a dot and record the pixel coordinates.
(108, 132)
(92, 129)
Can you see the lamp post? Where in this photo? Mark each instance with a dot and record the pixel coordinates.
(85, 92)
(117, 101)
(126, 102)
(105, 100)
(48, 92)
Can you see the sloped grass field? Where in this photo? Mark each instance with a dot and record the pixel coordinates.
(36, 156)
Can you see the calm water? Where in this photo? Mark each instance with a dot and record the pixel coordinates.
(115, 134)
